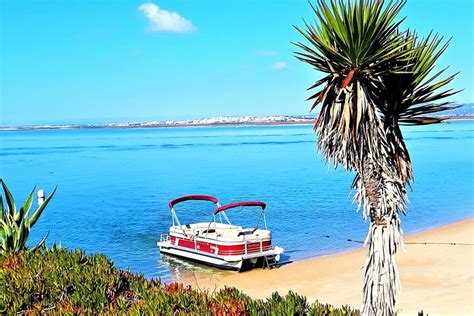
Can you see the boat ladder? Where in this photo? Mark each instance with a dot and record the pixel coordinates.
(269, 262)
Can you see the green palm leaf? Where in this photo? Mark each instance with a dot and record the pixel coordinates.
(410, 95)
(355, 44)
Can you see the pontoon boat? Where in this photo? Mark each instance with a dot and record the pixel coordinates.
(218, 242)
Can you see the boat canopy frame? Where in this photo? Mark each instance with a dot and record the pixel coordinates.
(222, 209)
(195, 197)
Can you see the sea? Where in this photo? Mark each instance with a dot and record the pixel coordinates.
(114, 185)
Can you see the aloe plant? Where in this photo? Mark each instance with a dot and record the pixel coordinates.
(15, 225)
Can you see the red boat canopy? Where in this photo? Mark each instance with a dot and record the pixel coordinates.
(192, 197)
(237, 204)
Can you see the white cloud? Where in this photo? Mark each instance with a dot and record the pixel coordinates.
(279, 66)
(165, 21)
(265, 53)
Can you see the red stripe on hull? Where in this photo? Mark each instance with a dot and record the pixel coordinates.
(223, 250)
(240, 249)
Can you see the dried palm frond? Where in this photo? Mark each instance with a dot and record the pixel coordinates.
(354, 44)
(376, 78)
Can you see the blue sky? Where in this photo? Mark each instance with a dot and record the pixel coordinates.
(115, 61)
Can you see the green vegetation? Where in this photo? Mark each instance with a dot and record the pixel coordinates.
(15, 225)
(376, 77)
(59, 281)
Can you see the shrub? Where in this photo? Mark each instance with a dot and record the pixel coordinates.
(60, 281)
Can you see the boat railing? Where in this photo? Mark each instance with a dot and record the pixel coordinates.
(164, 237)
(243, 251)
(246, 245)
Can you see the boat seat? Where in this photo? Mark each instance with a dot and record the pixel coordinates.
(229, 232)
(209, 231)
(263, 233)
(246, 232)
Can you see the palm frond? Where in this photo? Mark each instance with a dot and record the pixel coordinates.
(354, 43)
(376, 78)
(411, 95)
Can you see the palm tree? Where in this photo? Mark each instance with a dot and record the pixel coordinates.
(377, 77)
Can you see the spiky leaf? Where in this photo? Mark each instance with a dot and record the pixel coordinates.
(9, 198)
(23, 212)
(34, 217)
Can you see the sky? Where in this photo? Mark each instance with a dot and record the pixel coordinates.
(121, 61)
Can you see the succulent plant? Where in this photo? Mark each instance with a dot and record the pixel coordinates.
(58, 281)
(15, 225)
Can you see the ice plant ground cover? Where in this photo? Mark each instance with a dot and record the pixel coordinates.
(60, 281)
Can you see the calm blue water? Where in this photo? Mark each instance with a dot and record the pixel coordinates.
(114, 185)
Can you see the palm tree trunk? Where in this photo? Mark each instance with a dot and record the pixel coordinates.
(382, 195)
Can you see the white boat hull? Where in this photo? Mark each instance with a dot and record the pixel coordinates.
(234, 262)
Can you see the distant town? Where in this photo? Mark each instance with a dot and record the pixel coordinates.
(463, 112)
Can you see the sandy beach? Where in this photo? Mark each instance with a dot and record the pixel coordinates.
(436, 278)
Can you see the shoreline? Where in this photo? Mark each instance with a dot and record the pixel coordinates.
(100, 126)
(437, 278)
(358, 246)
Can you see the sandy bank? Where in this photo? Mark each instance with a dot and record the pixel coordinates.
(436, 278)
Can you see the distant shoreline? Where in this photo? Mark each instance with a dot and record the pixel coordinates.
(154, 126)
(144, 126)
